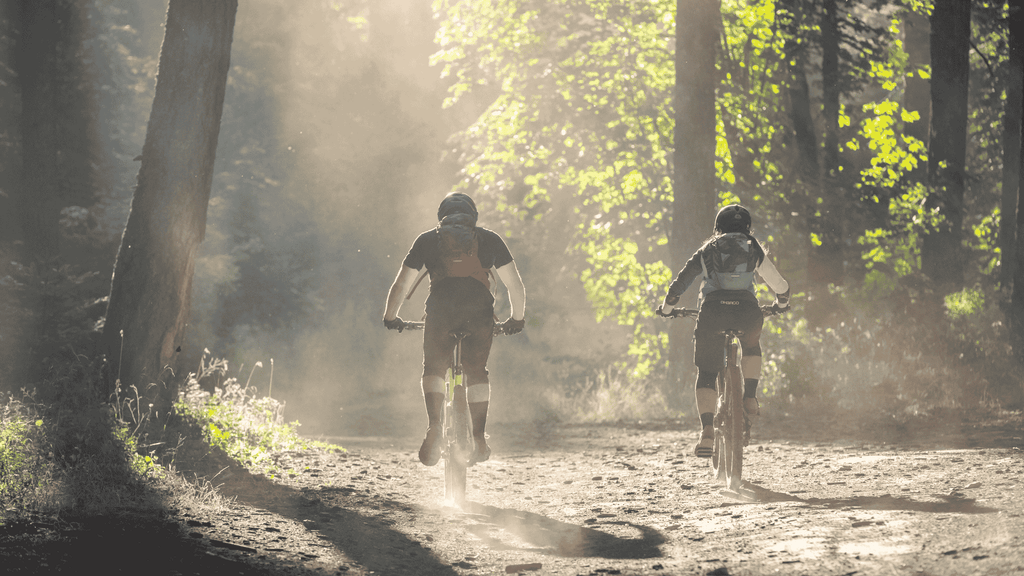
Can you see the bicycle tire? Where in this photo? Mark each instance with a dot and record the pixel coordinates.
(734, 427)
(718, 452)
(458, 445)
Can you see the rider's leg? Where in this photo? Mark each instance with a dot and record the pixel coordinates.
(476, 348)
(433, 399)
(751, 366)
(437, 354)
(479, 396)
(706, 397)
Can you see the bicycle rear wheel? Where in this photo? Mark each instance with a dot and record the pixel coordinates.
(719, 451)
(733, 427)
(458, 445)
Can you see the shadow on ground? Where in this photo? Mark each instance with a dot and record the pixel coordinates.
(562, 539)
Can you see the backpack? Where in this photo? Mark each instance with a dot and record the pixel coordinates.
(458, 245)
(729, 261)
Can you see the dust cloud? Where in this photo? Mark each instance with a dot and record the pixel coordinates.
(331, 161)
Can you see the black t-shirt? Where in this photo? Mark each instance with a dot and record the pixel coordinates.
(425, 251)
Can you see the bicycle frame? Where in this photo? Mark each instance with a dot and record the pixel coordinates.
(732, 427)
(457, 443)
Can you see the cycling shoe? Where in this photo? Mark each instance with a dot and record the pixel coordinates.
(706, 445)
(430, 450)
(481, 451)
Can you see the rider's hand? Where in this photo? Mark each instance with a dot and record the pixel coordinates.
(512, 326)
(396, 324)
(666, 307)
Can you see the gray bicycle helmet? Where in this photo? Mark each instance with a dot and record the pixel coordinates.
(733, 218)
(456, 203)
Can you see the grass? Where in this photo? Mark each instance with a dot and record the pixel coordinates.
(71, 450)
(232, 417)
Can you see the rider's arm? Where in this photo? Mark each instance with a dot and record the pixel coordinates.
(770, 274)
(406, 276)
(509, 275)
(690, 272)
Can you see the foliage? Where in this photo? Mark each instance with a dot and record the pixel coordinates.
(65, 448)
(233, 418)
(23, 470)
(46, 310)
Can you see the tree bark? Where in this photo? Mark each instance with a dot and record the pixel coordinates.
(825, 259)
(942, 257)
(917, 93)
(1015, 316)
(57, 135)
(1011, 146)
(151, 288)
(694, 183)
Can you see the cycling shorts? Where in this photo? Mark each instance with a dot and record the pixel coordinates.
(476, 318)
(721, 310)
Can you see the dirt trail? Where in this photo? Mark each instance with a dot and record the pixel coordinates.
(582, 500)
(598, 500)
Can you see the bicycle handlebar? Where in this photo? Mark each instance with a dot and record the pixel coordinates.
(767, 310)
(498, 331)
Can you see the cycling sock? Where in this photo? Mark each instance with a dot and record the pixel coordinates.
(434, 402)
(707, 419)
(478, 413)
(750, 387)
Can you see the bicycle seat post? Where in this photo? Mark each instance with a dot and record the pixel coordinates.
(458, 335)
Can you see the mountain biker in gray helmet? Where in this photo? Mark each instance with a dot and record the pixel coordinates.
(726, 264)
(460, 257)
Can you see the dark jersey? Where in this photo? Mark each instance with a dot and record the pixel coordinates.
(426, 251)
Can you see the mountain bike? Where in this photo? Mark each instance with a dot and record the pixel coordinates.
(457, 443)
(732, 427)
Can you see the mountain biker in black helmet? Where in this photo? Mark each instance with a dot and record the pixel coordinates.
(726, 264)
(459, 256)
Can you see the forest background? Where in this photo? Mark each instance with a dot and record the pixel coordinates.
(346, 122)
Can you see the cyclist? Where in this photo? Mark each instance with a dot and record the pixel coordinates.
(726, 264)
(459, 257)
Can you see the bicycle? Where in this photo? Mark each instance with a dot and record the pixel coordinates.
(732, 427)
(457, 443)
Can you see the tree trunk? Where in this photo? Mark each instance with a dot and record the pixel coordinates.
(1011, 146)
(825, 259)
(152, 283)
(1015, 316)
(56, 129)
(693, 181)
(917, 93)
(941, 251)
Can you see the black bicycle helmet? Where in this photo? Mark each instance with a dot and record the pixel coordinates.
(456, 203)
(733, 218)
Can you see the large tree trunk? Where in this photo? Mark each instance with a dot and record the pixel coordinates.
(152, 284)
(1015, 316)
(917, 94)
(693, 181)
(1011, 147)
(941, 252)
(56, 132)
(825, 259)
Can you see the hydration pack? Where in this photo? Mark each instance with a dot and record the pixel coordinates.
(458, 244)
(729, 262)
